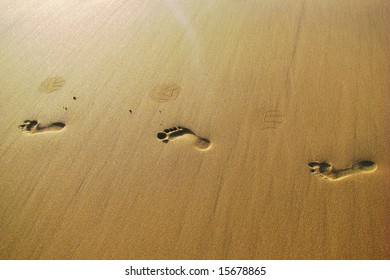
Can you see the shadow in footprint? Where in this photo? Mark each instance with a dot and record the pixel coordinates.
(35, 127)
(327, 171)
(173, 133)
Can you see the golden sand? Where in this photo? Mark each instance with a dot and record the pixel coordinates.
(194, 129)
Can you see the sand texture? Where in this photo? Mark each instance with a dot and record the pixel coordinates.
(236, 129)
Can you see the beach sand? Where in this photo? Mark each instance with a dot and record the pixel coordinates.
(194, 129)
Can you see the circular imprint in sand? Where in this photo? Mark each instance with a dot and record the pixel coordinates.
(52, 84)
(165, 93)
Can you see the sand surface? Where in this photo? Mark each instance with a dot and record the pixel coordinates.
(185, 129)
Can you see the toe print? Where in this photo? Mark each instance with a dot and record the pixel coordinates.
(29, 126)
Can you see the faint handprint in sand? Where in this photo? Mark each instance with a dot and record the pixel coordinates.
(165, 92)
(266, 118)
(272, 118)
(52, 84)
(179, 132)
(327, 170)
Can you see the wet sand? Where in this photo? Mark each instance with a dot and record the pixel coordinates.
(194, 129)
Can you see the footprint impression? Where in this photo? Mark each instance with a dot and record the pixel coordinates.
(34, 127)
(179, 132)
(327, 170)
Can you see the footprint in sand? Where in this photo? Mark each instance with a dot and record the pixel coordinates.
(173, 133)
(34, 127)
(327, 171)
